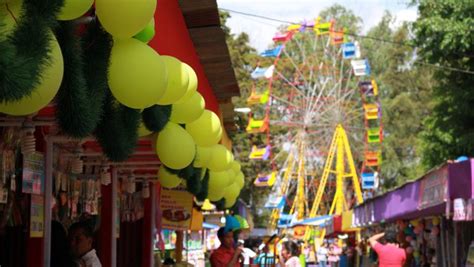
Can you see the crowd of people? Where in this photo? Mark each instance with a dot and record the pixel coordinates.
(379, 250)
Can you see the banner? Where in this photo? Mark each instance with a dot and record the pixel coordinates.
(33, 174)
(176, 207)
(433, 188)
(37, 216)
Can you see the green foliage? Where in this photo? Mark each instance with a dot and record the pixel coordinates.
(156, 117)
(202, 195)
(344, 17)
(75, 112)
(444, 35)
(25, 51)
(405, 91)
(117, 130)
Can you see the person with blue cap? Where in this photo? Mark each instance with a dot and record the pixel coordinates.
(227, 255)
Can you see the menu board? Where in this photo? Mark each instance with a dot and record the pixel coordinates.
(176, 209)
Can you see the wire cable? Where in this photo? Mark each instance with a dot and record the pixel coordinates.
(359, 36)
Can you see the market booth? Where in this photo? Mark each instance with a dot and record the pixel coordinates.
(433, 214)
(98, 173)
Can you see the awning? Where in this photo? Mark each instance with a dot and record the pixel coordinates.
(211, 226)
(316, 221)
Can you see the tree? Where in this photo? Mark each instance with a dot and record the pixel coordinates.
(405, 91)
(244, 59)
(444, 35)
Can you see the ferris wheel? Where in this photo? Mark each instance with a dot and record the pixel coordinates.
(318, 112)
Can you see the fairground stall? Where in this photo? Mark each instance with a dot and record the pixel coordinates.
(433, 215)
(79, 144)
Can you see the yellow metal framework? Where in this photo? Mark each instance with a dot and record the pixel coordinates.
(344, 169)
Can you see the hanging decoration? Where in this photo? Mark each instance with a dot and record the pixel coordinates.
(175, 147)
(73, 9)
(147, 34)
(26, 60)
(44, 92)
(125, 18)
(73, 106)
(178, 80)
(203, 193)
(206, 130)
(138, 76)
(117, 130)
(156, 117)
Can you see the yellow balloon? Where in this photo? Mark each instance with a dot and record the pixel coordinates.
(240, 180)
(137, 74)
(143, 131)
(231, 194)
(52, 75)
(231, 176)
(221, 158)
(203, 154)
(218, 180)
(189, 110)
(167, 179)
(147, 33)
(236, 166)
(73, 9)
(124, 18)
(175, 147)
(9, 20)
(206, 130)
(178, 80)
(215, 194)
(230, 203)
(192, 85)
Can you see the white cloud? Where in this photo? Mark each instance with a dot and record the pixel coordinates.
(261, 31)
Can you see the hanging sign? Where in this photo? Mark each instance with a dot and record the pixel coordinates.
(433, 188)
(33, 174)
(176, 207)
(459, 209)
(37, 216)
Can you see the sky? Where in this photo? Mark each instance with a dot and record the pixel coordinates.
(261, 31)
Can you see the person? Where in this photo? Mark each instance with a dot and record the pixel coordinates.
(81, 237)
(226, 255)
(389, 254)
(265, 258)
(289, 254)
(333, 254)
(60, 256)
(322, 254)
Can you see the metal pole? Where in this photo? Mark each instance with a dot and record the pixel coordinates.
(48, 191)
(114, 196)
(153, 214)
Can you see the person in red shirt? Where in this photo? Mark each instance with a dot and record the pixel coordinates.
(390, 254)
(226, 255)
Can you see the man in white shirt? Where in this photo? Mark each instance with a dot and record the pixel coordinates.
(81, 238)
(322, 255)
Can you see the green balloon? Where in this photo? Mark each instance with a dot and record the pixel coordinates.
(147, 33)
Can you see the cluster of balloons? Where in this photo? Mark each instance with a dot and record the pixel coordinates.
(197, 144)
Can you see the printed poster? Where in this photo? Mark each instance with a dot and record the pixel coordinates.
(176, 207)
(37, 216)
(433, 188)
(33, 174)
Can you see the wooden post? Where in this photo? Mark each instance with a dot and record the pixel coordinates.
(179, 246)
(107, 238)
(148, 226)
